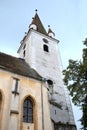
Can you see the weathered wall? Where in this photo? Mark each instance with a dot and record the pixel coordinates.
(48, 65)
(12, 112)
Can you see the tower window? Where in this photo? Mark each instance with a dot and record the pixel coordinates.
(24, 53)
(50, 82)
(45, 40)
(24, 46)
(28, 111)
(45, 47)
(50, 86)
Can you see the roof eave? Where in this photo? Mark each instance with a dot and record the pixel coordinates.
(8, 70)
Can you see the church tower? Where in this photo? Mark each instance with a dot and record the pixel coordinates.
(32, 92)
(40, 50)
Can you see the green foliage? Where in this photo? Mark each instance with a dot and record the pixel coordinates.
(84, 117)
(85, 51)
(85, 42)
(75, 78)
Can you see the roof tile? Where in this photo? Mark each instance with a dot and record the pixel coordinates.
(40, 28)
(18, 66)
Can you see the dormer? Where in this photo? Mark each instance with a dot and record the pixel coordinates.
(50, 32)
(33, 26)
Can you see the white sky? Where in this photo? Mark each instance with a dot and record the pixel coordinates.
(67, 18)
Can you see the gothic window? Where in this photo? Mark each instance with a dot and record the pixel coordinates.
(0, 101)
(28, 111)
(0, 107)
(45, 47)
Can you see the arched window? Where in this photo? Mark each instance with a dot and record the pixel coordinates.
(28, 110)
(50, 82)
(45, 47)
(0, 108)
(0, 101)
(50, 86)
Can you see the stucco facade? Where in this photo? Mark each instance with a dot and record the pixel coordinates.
(11, 113)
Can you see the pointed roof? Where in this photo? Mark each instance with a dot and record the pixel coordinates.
(40, 28)
(50, 30)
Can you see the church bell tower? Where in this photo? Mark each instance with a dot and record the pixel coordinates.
(39, 49)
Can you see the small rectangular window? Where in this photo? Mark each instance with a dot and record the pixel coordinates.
(45, 47)
(24, 53)
(24, 46)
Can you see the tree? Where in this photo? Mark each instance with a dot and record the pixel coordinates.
(75, 78)
(84, 116)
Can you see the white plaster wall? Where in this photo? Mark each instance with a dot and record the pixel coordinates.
(49, 66)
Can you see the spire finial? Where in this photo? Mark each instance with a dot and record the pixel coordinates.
(49, 26)
(36, 10)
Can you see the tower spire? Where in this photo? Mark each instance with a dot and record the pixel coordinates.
(37, 25)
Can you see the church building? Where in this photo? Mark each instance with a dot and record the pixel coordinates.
(32, 93)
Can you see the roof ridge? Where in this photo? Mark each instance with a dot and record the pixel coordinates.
(8, 55)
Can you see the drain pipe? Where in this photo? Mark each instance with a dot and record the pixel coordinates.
(43, 80)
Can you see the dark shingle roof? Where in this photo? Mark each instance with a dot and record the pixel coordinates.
(18, 66)
(40, 28)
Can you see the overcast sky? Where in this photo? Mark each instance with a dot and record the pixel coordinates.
(67, 18)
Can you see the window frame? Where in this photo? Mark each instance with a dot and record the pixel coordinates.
(28, 110)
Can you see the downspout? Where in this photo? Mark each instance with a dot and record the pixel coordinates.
(43, 80)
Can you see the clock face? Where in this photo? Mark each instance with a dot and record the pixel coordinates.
(45, 40)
